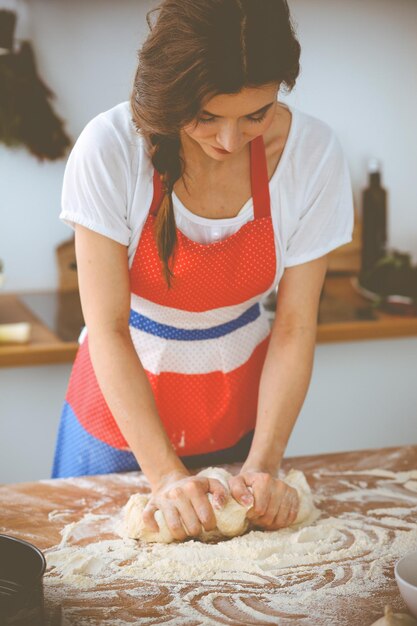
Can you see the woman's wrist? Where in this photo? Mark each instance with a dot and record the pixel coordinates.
(266, 453)
(253, 464)
(264, 469)
(162, 475)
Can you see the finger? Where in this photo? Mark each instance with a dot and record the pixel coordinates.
(204, 511)
(293, 503)
(196, 492)
(173, 521)
(149, 519)
(182, 503)
(267, 519)
(282, 519)
(240, 491)
(218, 490)
(294, 509)
(263, 488)
(189, 517)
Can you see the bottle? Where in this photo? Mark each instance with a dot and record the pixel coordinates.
(374, 218)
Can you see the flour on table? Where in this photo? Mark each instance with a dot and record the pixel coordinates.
(328, 556)
(231, 519)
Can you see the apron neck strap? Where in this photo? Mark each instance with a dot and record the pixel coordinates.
(259, 182)
(259, 178)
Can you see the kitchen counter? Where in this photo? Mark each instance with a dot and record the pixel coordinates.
(56, 320)
(348, 587)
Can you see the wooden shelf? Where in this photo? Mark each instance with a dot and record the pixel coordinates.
(56, 321)
(341, 308)
(45, 345)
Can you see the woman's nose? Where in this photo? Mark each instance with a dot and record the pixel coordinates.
(229, 138)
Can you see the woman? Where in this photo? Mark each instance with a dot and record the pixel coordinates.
(190, 204)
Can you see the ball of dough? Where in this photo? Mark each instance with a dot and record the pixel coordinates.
(231, 520)
(395, 619)
(134, 526)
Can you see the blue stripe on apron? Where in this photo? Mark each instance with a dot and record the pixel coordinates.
(141, 322)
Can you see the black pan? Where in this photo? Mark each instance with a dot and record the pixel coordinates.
(22, 566)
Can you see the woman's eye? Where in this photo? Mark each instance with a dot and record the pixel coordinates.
(257, 119)
(207, 120)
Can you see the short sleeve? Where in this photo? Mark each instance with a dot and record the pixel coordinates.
(94, 190)
(327, 217)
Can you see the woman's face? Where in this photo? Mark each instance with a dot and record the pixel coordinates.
(229, 121)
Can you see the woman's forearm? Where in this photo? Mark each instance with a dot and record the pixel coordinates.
(127, 391)
(283, 386)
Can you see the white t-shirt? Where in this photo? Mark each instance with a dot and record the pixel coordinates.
(108, 187)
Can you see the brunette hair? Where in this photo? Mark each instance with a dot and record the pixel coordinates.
(195, 50)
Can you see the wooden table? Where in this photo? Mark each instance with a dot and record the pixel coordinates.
(37, 511)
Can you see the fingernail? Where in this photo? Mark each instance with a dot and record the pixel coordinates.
(247, 499)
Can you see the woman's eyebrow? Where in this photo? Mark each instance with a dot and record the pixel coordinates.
(261, 110)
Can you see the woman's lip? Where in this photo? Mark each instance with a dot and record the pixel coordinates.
(221, 150)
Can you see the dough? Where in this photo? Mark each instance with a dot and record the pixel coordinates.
(395, 619)
(231, 519)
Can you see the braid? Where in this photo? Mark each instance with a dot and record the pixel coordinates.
(166, 160)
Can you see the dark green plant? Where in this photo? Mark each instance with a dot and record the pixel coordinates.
(392, 275)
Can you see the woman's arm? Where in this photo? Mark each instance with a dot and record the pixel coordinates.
(288, 365)
(105, 296)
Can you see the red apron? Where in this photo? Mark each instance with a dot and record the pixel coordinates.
(202, 343)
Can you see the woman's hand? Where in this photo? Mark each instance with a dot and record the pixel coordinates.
(275, 504)
(183, 500)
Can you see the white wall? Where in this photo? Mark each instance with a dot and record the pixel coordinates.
(86, 53)
(30, 403)
(358, 74)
